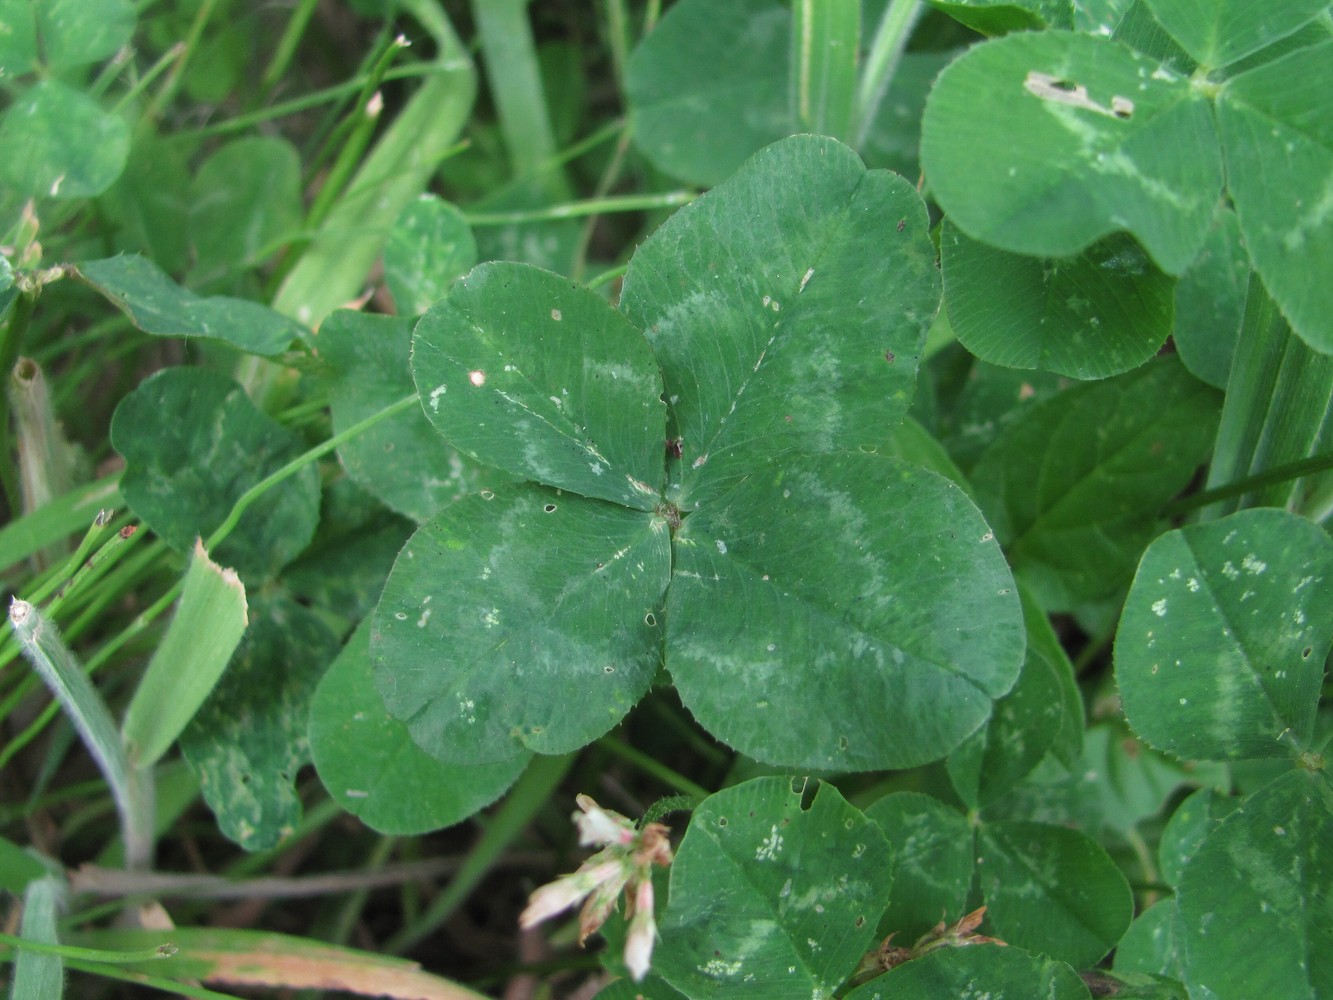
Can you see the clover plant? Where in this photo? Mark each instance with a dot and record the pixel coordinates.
(932, 495)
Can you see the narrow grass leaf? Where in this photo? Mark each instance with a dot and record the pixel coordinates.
(39, 975)
(208, 624)
(64, 675)
(249, 958)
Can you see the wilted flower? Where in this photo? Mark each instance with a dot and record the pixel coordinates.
(625, 862)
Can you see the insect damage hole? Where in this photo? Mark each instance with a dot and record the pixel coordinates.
(549, 508)
(1061, 91)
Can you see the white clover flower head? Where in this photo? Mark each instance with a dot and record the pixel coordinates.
(642, 931)
(598, 826)
(625, 862)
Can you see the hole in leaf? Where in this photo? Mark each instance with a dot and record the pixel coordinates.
(549, 508)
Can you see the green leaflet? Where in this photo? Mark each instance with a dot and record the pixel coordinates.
(1073, 486)
(1217, 33)
(1111, 141)
(524, 370)
(401, 460)
(1052, 889)
(1221, 647)
(248, 741)
(193, 444)
(1255, 898)
(786, 317)
(771, 898)
(157, 305)
(1101, 312)
(532, 618)
(368, 762)
(521, 619)
(1277, 136)
(430, 246)
(1000, 973)
(932, 863)
(832, 612)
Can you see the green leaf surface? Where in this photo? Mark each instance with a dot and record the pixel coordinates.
(999, 17)
(771, 898)
(244, 203)
(825, 41)
(18, 867)
(40, 975)
(150, 204)
(985, 971)
(370, 765)
(1210, 303)
(708, 86)
(651, 988)
(1187, 829)
(18, 42)
(430, 246)
(1053, 890)
(1025, 723)
(254, 959)
(248, 741)
(157, 305)
(1072, 488)
(1112, 141)
(209, 621)
(521, 619)
(401, 460)
(523, 370)
(1130, 985)
(932, 863)
(991, 399)
(1096, 314)
(1142, 32)
(1115, 784)
(193, 443)
(787, 308)
(841, 611)
(1276, 126)
(78, 32)
(1221, 647)
(1216, 33)
(1152, 943)
(1256, 901)
(59, 143)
